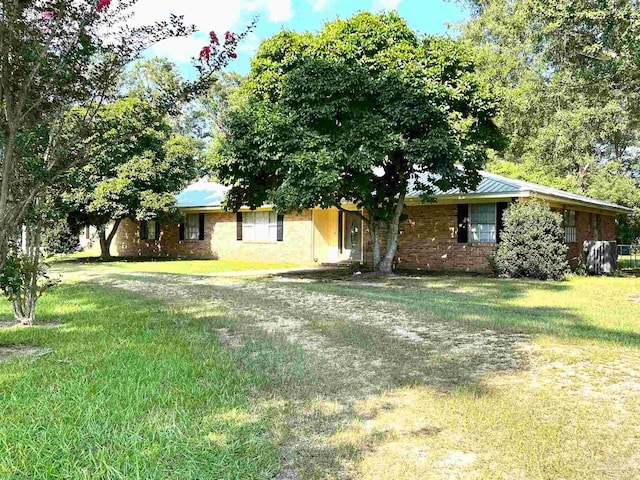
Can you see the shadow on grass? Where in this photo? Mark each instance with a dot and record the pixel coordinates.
(485, 304)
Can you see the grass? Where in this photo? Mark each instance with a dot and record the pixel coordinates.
(129, 390)
(400, 378)
(181, 267)
(589, 308)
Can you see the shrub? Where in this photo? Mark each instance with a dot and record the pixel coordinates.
(60, 238)
(532, 243)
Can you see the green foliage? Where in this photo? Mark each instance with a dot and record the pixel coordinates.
(60, 238)
(353, 112)
(137, 174)
(18, 273)
(532, 243)
(567, 74)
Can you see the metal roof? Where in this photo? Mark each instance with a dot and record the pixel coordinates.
(492, 184)
(205, 194)
(489, 183)
(201, 194)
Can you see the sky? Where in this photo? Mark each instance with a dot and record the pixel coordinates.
(425, 16)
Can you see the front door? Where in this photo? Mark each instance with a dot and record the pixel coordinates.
(353, 237)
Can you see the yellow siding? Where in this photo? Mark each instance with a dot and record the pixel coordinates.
(325, 235)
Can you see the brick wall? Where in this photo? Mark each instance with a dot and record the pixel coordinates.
(220, 241)
(585, 231)
(428, 240)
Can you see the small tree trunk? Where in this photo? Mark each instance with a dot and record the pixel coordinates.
(393, 229)
(24, 306)
(105, 240)
(104, 245)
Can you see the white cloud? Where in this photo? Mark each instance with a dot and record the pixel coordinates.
(385, 4)
(320, 5)
(232, 15)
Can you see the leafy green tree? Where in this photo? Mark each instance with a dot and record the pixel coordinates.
(355, 112)
(136, 175)
(56, 55)
(564, 71)
(59, 66)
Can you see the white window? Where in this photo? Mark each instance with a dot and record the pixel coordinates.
(482, 217)
(192, 227)
(570, 226)
(260, 226)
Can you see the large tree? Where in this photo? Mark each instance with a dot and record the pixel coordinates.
(356, 112)
(567, 73)
(137, 174)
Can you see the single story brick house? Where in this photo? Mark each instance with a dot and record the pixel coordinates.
(455, 233)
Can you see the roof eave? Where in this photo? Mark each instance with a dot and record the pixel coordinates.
(470, 196)
(610, 207)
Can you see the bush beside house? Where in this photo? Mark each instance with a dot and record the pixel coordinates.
(533, 243)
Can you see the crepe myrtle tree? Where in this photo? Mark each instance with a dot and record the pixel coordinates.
(59, 54)
(355, 112)
(59, 65)
(137, 173)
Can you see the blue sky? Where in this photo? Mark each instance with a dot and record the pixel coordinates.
(426, 16)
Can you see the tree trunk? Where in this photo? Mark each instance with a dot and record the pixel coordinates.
(374, 228)
(393, 229)
(105, 240)
(24, 306)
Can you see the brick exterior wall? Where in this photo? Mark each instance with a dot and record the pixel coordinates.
(220, 241)
(585, 231)
(428, 240)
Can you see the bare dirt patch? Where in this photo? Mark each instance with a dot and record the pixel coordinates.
(8, 352)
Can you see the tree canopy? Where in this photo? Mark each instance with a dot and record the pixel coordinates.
(567, 75)
(356, 112)
(143, 165)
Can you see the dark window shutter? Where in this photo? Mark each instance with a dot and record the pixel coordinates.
(181, 230)
(239, 226)
(201, 226)
(280, 234)
(463, 223)
(340, 222)
(501, 207)
(157, 231)
(143, 230)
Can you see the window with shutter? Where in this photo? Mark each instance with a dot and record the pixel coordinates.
(192, 227)
(151, 229)
(482, 217)
(261, 226)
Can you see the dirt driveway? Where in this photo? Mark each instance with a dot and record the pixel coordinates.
(364, 387)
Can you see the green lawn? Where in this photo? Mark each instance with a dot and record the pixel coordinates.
(183, 376)
(129, 389)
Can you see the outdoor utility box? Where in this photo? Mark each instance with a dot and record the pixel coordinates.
(601, 258)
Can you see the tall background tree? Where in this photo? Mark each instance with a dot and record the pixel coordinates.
(568, 74)
(355, 112)
(136, 175)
